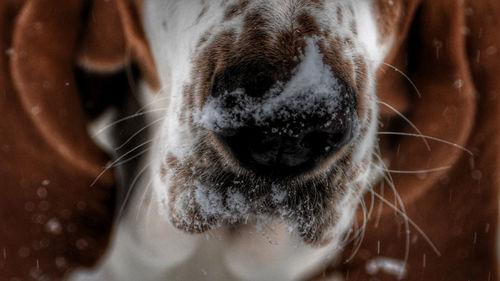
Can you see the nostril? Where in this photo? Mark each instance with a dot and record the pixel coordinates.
(315, 139)
(258, 86)
(328, 140)
(323, 143)
(338, 139)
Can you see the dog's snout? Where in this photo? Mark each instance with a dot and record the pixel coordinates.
(282, 119)
(297, 137)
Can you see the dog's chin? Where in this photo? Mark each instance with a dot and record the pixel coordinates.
(318, 209)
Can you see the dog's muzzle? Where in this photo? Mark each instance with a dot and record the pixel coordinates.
(281, 129)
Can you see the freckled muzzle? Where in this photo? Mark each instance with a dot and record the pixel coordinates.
(281, 123)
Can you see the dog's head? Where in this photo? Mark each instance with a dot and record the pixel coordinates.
(268, 108)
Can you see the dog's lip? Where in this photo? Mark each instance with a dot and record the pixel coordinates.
(261, 200)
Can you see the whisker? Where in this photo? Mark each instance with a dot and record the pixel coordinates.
(417, 171)
(362, 226)
(372, 206)
(360, 234)
(386, 176)
(143, 198)
(398, 199)
(135, 156)
(407, 121)
(130, 189)
(405, 76)
(419, 230)
(347, 238)
(380, 205)
(155, 100)
(430, 138)
(139, 131)
(109, 166)
(406, 222)
(138, 114)
(148, 211)
(402, 212)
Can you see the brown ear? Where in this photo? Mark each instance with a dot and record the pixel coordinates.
(51, 215)
(57, 199)
(136, 40)
(57, 204)
(103, 47)
(113, 37)
(436, 61)
(450, 194)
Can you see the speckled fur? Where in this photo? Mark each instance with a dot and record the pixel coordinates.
(308, 216)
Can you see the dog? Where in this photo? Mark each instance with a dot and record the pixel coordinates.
(262, 139)
(265, 141)
(267, 125)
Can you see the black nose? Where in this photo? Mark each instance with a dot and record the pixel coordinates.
(278, 128)
(277, 133)
(293, 146)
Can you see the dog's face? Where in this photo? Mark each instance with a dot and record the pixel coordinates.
(268, 109)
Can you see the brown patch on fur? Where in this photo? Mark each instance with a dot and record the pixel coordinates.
(171, 162)
(361, 69)
(340, 15)
(204, 38)
(235, 9)
(332, 53)
(201, 14)
(354, 28)
(308, 25)
(206, 66)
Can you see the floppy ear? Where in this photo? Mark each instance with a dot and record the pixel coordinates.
(114, 36)
(57, 204)
(130, 17)
(449, 51)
